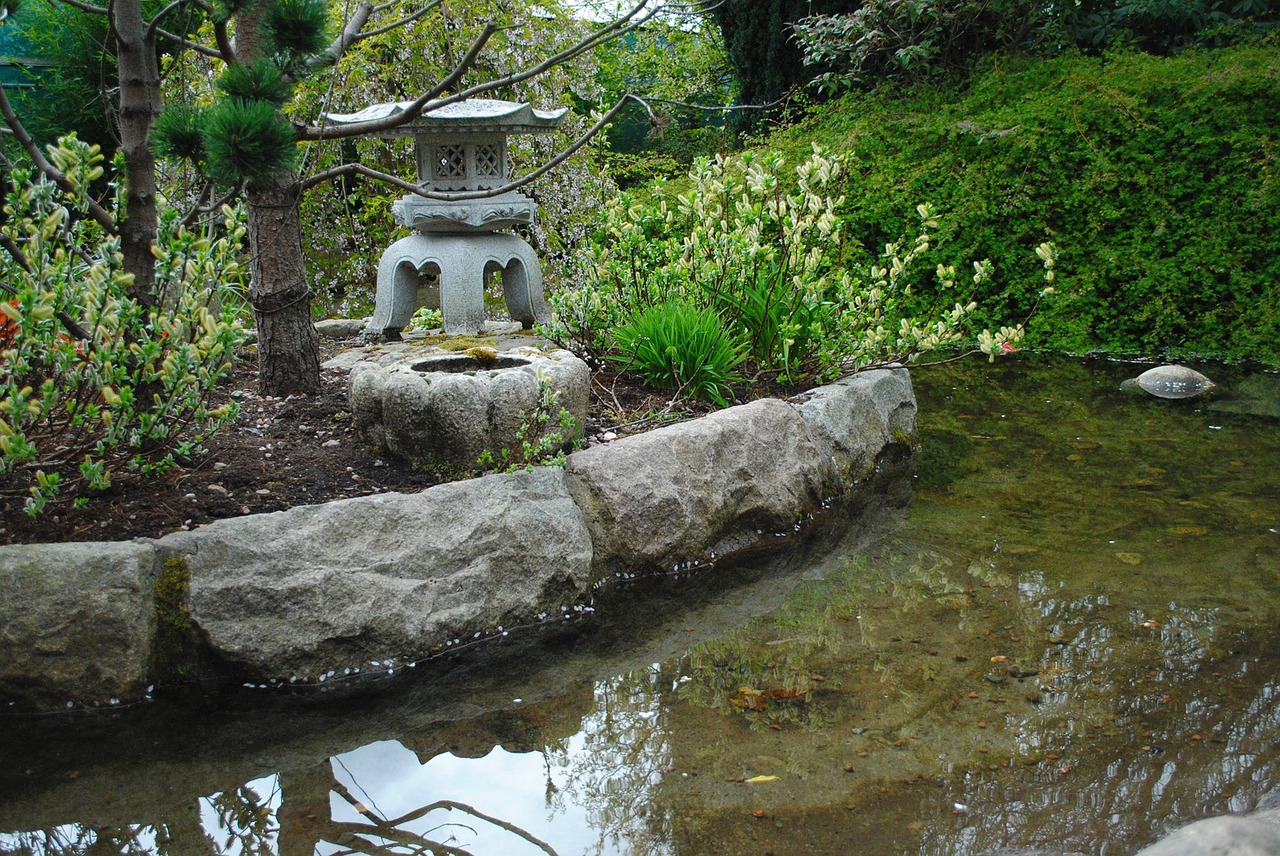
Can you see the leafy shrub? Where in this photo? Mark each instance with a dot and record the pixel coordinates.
(675, 345)
(1155, 175)
(426, 318)
(773, 264)
(130, 398)
(913, 39)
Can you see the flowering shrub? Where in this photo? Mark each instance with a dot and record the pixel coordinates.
(775, 264)
(130, 397)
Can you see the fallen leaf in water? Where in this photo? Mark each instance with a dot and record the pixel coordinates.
(756, 780)
(999, 658)
(1188, 530)
(1151, 625)
(758, 812)
(1130, 558)
(748, 698)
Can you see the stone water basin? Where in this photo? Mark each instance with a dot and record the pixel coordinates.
(448, 411)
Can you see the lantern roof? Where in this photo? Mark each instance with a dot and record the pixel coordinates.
(475, 115)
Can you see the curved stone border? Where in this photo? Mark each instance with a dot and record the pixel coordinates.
(315, 592)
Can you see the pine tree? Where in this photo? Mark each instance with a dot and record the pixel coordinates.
(244, 141)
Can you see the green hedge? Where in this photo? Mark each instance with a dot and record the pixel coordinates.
(1157, 178)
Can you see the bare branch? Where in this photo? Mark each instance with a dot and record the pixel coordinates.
(346, 38)
(99, 214)
(86, 7)
(188, 43)
(407, 19)
(614, 29)
(428, 102)
(196, 210)
(457, 196)
(153, 28)
(331, 132)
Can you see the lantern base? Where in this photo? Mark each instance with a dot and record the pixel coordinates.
(462, 261)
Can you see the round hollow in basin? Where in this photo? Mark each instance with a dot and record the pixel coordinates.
(468, 363)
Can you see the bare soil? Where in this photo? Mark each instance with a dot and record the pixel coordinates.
(283, 452)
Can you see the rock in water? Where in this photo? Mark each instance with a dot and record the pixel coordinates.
(1170, 382)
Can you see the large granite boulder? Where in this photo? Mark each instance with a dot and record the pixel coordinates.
(1257, 834)
(76, 622)
(700, 490)
(444, 411)
(855, 419)
(301, 592)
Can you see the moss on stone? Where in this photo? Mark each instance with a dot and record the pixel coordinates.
(171, 654)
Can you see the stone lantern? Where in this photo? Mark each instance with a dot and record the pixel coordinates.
(457, 244)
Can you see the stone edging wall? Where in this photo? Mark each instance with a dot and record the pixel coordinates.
(314, 592)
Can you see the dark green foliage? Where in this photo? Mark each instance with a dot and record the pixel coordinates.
(1163, 26)
(910, 41)
(62, 93)
(177, 133)
(761, 45)
(1157, 178)
(260, 80)
(296, 29)
(245, 137)
(247, 142)
(678, 346)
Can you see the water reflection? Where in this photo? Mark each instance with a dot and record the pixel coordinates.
(1071, 643)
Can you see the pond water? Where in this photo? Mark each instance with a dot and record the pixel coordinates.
(1067, 639)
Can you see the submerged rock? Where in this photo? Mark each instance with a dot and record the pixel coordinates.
(1170, 382)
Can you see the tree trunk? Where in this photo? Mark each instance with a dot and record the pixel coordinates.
(140, 103)
(288, 346)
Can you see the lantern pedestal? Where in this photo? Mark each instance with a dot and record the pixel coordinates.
(463, 262)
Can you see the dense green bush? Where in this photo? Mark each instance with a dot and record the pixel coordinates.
(95, 386)
(1157, 178)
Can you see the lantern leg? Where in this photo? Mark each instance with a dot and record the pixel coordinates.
(522, 285)
(461, 284)
(396, 298)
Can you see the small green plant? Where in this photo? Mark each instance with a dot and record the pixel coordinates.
(678, 346)
(427, 318)
(540, 440)
(97, 385)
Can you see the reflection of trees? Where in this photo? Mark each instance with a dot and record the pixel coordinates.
(624, 754)
(381, 836)
(76, 839)
(247, 820)
(71, 839)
